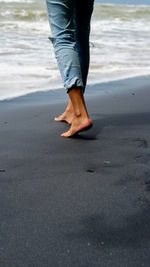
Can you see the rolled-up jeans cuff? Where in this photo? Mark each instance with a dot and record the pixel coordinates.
(75, 82)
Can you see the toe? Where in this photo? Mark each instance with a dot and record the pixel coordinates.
(66, 134)
(58, 118)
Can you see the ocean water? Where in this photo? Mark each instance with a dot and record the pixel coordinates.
(120, 46)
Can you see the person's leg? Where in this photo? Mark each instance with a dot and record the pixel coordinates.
(82, 18)
(82, 32)
(60, 14)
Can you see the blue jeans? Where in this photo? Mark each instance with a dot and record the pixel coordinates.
(70, 26)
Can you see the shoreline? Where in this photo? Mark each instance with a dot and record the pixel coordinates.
(102, 88)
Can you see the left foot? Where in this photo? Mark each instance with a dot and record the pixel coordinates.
(68, 115)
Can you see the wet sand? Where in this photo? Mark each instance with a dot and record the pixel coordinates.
(82, 201)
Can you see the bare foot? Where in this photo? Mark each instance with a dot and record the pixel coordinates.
(68, 115)
(79, 124)
(81, 120)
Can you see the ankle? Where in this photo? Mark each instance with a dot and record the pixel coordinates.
(78, 113)
(81, 115)
(68, 110)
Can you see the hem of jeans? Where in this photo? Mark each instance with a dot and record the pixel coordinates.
(73, 87)
(74, 83)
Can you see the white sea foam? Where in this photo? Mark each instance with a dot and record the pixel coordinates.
(120, 46)
(16, 1)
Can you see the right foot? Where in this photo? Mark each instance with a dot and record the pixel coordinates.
(78, 125)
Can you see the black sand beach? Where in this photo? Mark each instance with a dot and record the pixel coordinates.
(82, 201)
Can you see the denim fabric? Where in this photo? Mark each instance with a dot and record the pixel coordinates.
(70, 26)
